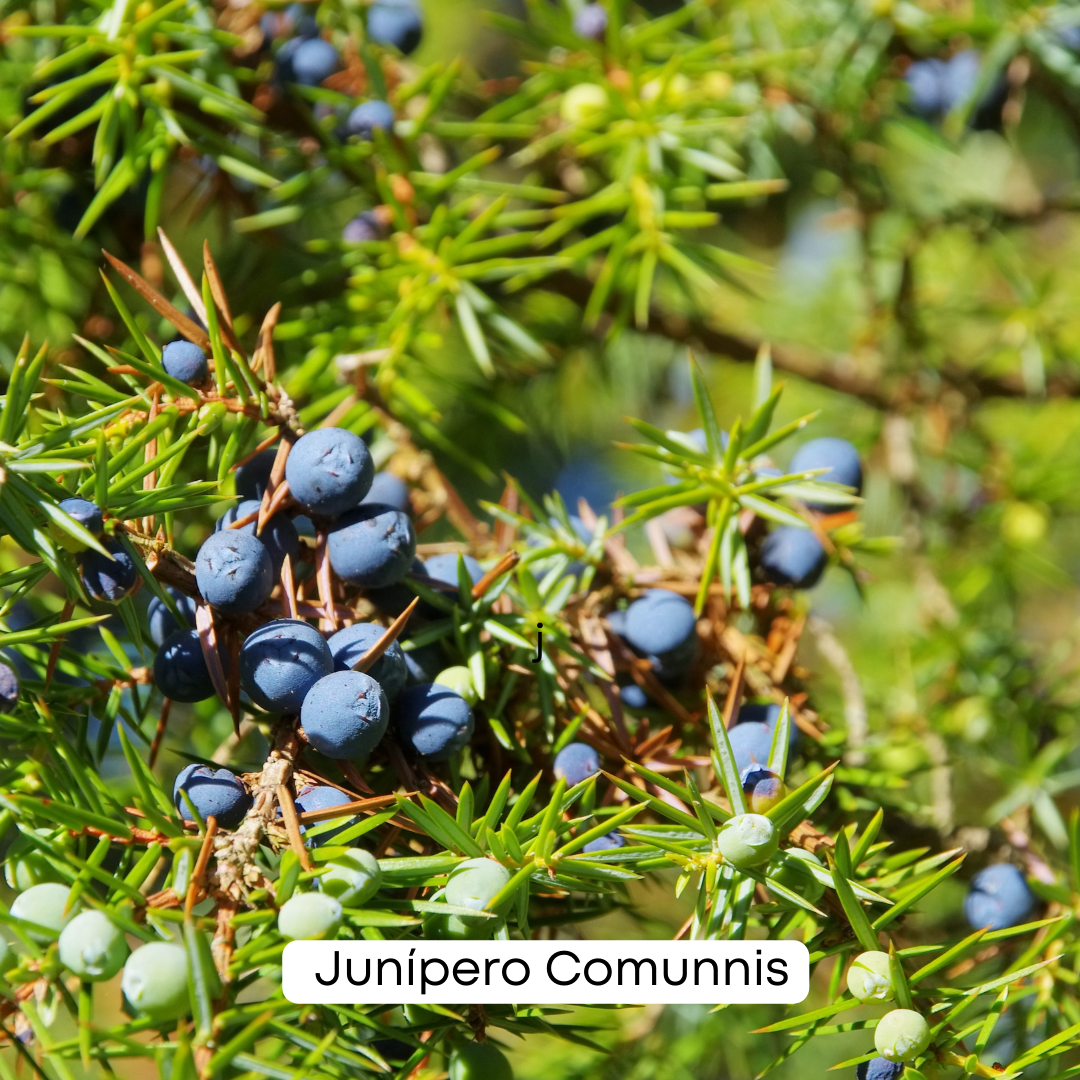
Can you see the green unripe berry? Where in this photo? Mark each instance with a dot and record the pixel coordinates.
(417, 1014)
(26, 865)
(309, 917)
(793, 869)
(155, 981)
(870, 978)
(352, 878)
(747, 840)
(92, 947)
(211, 416)
(582, 102)
(479, 1061)
(475, 883)
(456, 928)
(459, 679)
(45, 905)
(901, 1035)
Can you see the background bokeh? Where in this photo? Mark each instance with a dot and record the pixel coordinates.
(917, 283)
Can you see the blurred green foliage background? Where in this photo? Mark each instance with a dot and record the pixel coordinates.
(917, 283)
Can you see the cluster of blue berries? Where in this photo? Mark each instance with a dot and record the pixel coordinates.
(306, 58)
(936, 87)
(289, 668)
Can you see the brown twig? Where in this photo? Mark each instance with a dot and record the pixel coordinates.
(277, 475)
(187, 284)
(264, 445)
(389, 636)
(199, 874)
(159, 732)
(221, 300)
(292, 825)
(503, 566)
(325, 582)
(192, 331)
(288, 590)
(204, 623)
(57, 645)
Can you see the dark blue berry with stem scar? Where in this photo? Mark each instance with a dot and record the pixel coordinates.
(432, 721)
(999, 897)
(372, 546)
(252, 477)
(389, 490)
(879, 1068)
(216, 792)
(86, 513)
(349, 645)
(345, 714)
(750, 744)
(307, 62)
(576, 762)
(9, 688)
(591, 22)
(321, 797)
(329, 471)
(184, 360)
(793, 556)
(397, 23)
(607, 842)
(363, 227)
(281, 661)
(163, 621)
(836, 455)
(180, 670)
(369, 115)
(768, 714)
(279, 535)
(234, 571)
(109, 579)
(661, 626)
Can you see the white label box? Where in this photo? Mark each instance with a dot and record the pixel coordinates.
(545, 972)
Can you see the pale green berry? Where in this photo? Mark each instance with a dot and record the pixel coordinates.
(93, 947)
(26, 865)
(794, 869)
(309, 917)
(45, 905)
(456, 928)
(582, 102)
(901, 1035)
(417, 1014)
(475, 883)
(459, 679)
(155, 981)
(747, 840)
(479, 1061)
(678, 86)
(869, 978)
(352, 878)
